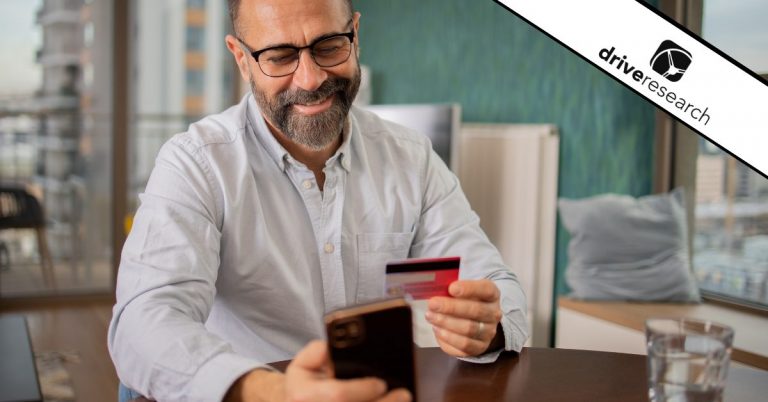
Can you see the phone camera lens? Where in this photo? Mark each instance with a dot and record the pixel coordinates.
(340, 333)
(353, 329)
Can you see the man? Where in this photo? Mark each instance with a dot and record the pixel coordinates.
(257, 221)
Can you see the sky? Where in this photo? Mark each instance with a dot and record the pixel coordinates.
(740, 29)
(19, 40)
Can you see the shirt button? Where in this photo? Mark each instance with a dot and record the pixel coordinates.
(307, 184)
(328, 248)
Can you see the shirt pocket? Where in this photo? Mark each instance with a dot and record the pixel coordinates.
(374, 251)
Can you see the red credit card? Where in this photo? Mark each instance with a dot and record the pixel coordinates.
(422, 278)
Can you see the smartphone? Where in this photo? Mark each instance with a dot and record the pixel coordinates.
(373, 340)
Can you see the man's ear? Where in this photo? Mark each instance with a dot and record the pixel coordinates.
(241, 57)
(356, 27)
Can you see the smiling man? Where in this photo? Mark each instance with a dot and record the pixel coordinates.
(259, 220)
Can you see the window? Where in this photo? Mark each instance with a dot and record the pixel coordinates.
(731, 216)
(195, 82)
(68, 115)
(195, 38)
(181, 72)
(55, 145)
(196, 3)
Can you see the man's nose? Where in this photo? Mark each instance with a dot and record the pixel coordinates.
(308, 76)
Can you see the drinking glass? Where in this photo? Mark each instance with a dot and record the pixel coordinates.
(687, 359)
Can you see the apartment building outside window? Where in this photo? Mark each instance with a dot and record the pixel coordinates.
(58, 123)
(730, 238)
(181, 72)
(55, 136)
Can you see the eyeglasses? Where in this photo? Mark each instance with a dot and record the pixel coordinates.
(279, 61)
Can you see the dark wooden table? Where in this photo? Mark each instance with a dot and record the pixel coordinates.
(536, 374)
(542, 375)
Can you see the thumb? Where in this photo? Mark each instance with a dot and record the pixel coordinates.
(314, 357)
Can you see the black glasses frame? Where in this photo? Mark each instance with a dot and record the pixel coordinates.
(255, 54)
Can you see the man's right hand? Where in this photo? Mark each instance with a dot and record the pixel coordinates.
(309, 378)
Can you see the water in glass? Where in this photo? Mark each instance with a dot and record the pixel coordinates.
(686, 368)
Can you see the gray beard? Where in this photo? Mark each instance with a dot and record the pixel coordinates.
(318, 131)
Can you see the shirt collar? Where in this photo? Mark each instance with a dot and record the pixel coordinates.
(278, 153)
(342, 154)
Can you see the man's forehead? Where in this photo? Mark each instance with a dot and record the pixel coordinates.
(268, 22)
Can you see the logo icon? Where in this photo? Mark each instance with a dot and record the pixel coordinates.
(671, 60)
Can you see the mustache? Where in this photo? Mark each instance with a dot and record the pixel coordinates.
(326, 89)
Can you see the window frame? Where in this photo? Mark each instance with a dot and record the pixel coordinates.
(676, 151)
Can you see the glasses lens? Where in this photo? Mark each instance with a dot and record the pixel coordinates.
(278, 61)
(332, 51)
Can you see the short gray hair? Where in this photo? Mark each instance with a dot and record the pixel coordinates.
(234, 9)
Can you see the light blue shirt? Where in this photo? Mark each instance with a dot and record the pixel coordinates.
(235, 254)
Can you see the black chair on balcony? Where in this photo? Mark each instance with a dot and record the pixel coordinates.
(21, 210)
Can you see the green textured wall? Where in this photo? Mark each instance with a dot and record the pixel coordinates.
(502, 70)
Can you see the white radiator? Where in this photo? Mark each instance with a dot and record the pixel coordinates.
(509, 174)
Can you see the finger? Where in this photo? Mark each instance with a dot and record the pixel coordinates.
(470, 309)
(462, 326)
(450, 350)
(469, 346)
(397, 395)
(483, 290)
(360, 389)
(313, 358)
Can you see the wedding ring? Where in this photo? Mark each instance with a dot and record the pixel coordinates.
(480, 328)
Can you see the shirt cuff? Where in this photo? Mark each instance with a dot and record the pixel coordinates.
(216, 376)
(514, 338)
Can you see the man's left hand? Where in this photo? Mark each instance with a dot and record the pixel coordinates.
(465, 324)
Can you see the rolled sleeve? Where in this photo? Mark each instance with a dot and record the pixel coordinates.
(514, 333)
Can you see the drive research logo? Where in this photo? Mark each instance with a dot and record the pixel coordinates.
(671, 60)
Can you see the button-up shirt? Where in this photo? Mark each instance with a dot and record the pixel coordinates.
(236, 254)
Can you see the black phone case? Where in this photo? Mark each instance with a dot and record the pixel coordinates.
(382, 347)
